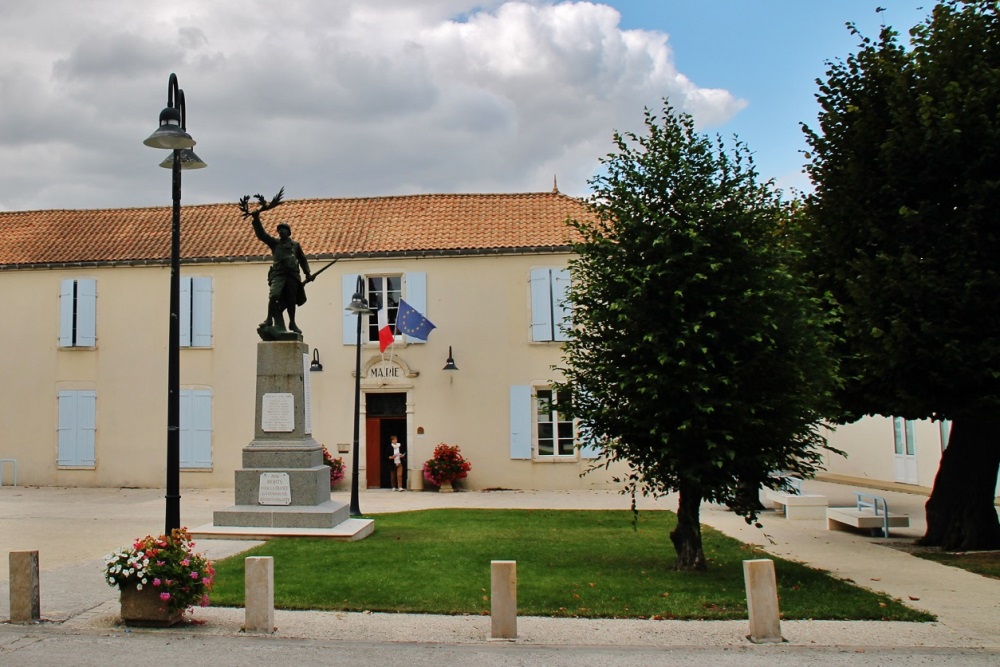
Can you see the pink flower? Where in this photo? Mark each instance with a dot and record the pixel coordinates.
(157, 582)
(194, 575)
(164, 596)
(185, 562)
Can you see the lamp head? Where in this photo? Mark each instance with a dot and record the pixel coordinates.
(450, 363)
(170, 134)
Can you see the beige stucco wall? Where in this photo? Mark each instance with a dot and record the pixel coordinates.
(481, 307)
(870, 449)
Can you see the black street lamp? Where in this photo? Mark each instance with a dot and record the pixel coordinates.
(359, 307)
(172, 135)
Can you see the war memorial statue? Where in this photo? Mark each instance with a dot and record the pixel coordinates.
(286, 289)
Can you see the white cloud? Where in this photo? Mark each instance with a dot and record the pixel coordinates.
(328, 98)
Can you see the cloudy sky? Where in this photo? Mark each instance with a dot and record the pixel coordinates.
(343, 98)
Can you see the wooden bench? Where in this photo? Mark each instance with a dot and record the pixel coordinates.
(870, 513)
(794, 503)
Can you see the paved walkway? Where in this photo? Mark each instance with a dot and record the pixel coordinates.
(73, 528)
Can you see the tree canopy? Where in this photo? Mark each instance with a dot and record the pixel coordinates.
(906, 167)
(696, 355)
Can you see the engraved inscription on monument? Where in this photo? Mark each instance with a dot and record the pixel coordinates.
(275, 489)
(277, 413)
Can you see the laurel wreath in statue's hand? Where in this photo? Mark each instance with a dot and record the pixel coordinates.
(264, 205)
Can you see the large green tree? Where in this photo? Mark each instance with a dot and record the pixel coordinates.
(696, 356)
(905, 219)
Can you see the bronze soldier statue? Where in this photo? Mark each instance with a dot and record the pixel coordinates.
(286, 287)
(287, 290)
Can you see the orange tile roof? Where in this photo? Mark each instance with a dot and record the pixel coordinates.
(361, 226)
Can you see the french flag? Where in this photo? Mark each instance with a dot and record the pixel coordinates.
(385, 337)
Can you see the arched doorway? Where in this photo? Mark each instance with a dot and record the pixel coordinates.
(385, 416)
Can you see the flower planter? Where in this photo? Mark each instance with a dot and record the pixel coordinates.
(446, 487)
(146, 608)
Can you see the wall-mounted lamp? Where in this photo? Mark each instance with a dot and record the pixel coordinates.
(315, 366)
(450, 364)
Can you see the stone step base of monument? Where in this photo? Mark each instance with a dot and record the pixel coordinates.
(332, 517)
(346, 531)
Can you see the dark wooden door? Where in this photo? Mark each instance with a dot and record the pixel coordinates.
(373, 452)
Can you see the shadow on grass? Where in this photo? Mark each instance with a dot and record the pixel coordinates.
(579, 563)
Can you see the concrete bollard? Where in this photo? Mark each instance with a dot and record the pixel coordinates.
(259, 594)
(503, 599)
(762, 601)
(24, 594)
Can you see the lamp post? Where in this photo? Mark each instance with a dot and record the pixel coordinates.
(172, 135)
(359, 307)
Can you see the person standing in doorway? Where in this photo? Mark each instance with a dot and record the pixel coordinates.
(396, 457)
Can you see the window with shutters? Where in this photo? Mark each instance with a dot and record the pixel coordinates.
(78, 312)
(549, 308)
(382, 289)
(196, 428)
(77, 428)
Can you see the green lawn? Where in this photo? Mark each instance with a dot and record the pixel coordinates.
(569, 563)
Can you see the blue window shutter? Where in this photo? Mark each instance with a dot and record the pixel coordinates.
(196, 428)
(350, 326)
(560, 307)
(66, 312)
(541, 305)
(67, 428)
(201, 312)
(185, 308)
(520, 422)
(86, 312)
(77, 428)
(416, 296)
(202, 428)
(184, 435)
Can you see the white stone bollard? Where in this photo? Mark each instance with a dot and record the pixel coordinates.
(259, 594)
(762, 601)
(24, 593)
(503, 599)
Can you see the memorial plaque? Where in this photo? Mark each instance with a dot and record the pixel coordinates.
(275, 489)
(277, 413)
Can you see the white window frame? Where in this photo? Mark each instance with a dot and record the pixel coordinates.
(550, 309)
(413, 291)
(78, 312)
(196, 311)
(76, 428)
(524, 429)
(551, 416)
(196, 429)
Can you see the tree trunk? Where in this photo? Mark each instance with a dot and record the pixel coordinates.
(961, 515)
(687, 535)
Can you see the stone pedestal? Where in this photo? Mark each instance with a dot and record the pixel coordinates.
(283, 482)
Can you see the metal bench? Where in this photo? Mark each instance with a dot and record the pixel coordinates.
(870, 513)
(13, 464)
(795, 504)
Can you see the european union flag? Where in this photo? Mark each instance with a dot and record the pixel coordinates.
(410, 322)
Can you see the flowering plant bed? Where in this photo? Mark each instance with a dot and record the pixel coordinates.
(168, 565)
(337, 468)
(446, 466)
